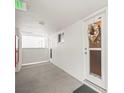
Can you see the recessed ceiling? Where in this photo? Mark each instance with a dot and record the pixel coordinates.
(56, 14)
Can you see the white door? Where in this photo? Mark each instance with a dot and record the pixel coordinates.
(96, 49)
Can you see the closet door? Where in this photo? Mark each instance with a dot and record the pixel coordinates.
(95, 49)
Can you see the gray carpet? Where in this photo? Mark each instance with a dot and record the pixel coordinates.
(84, 89)
(45, 78)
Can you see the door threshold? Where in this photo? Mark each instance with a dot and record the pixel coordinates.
(94, 86)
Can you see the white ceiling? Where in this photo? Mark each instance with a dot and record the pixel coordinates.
(56, 14)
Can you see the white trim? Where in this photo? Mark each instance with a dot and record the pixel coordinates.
(34, 63)
(90, 19)
(79, 79)
(94, 87)
(95, 48)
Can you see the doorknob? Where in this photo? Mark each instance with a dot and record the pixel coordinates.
(85, 48)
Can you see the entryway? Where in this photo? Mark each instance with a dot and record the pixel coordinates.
(95, 50)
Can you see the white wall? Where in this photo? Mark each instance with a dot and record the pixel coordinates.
(34, 42)
(34, 49)
(69, 55)
(33, 55)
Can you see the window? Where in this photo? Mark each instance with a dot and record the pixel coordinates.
(34, 42)
(60, 37)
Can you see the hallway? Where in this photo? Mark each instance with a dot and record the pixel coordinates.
(60, 48)
(45, 78)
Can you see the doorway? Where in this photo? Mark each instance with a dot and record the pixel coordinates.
(95, 49)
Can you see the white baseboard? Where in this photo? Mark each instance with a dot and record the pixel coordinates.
(80, 80)
(34, 63)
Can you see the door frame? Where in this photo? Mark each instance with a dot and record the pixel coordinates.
(101, 82)
(16, 49)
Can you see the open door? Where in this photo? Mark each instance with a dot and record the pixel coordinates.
(95, 49)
